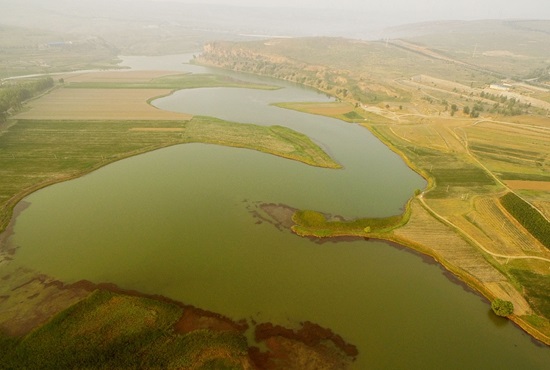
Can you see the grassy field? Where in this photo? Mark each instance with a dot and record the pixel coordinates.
(120, 95)
(137, 80)
(99, 104)
(316, 224)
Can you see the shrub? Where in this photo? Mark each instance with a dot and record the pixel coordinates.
(502, 308)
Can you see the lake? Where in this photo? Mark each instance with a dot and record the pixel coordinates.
(182, 222)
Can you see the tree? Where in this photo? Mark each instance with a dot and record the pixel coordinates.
(454, 108)
(466, 110)
(502, 308)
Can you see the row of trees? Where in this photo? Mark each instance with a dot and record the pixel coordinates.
(505, 105)
(510, 107)
(528, 216)
(13, 95)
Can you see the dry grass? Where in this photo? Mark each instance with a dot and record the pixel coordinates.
(116, 76)
(157, 129)
(506, 235)
(446, 245)
(511, 148)
(323, 109)
(99, 104)
(528, 185)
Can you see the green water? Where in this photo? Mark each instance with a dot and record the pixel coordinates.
(178, 222)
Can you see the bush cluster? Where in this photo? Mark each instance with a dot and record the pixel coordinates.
(12, 96)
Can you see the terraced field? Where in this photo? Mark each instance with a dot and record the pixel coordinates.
(513, 151)
(448, 246)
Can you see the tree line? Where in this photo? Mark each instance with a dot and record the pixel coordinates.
(13, 95)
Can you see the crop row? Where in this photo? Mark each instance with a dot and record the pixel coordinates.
(462, 176)
(528, 216)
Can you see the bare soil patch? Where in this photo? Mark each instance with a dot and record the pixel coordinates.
(528, 185)
(310, 347)
(29, 299)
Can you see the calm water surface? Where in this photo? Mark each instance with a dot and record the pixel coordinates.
(178, 222)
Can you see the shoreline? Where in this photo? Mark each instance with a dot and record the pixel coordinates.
(264, 340)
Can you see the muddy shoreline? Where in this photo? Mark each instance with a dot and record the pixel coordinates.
(28, 300)
(7, 251)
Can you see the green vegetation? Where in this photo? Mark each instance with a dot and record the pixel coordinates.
(466, 175)
(528, 216)
(536, 286)
(174, 82)
(12, 95)
(312, 223)
(109, 330)
(503, 105)
(502, 308)
(35, 153)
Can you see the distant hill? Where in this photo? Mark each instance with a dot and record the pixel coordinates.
(516, 48)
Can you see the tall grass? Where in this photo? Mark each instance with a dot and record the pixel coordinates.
(313, 223)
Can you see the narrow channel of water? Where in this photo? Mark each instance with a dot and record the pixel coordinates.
(178, 222)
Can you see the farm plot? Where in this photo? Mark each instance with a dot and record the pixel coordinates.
(508, 236)
(100, 104)
(512, 148)
(422, 135)
(448, 246)
(331, 109)
(116, 76)
(528, 185)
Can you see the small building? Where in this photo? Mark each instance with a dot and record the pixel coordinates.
(500, 87)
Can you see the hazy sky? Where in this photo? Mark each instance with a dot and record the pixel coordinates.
(429, 9)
